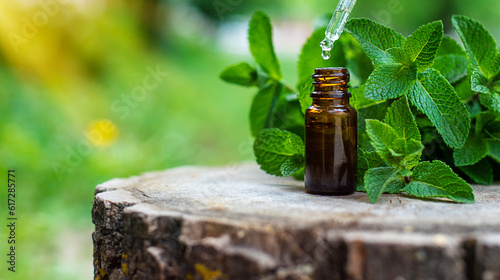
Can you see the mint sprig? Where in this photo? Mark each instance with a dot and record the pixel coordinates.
(397, 143)
(483, 60)
(260, 37)
(402, 68)
(390, 76)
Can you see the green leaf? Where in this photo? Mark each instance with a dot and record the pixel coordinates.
(367, 160)
(381, 135)
(260, 38)
(450, 46)
(375, 38)
(287, 115)
(389, 81)
(274, 147)
(395, 151)
(496, 65)
(435, 97)
(398, 55)
(310, 57)
(374, 111)
(304, 95)
(263, 106)
(481, 172)
(487, 120)
(379, 180)
(423, 44)
(241, 74)
(299, 175)
(464, 91)
(479, 44)
(400, 117)
(474, 108)
(453, 67)
(406, 153)
(359, 64)
(494, 150)
(292, 165)
(475, 149)
(490, 100)
(451, 60)
(359, 101)
(479, 82)
(436, 179)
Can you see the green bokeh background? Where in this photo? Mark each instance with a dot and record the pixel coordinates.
(90, 56)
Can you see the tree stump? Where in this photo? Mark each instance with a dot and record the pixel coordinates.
(236, 222)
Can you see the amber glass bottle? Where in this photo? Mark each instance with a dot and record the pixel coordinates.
(331, 158)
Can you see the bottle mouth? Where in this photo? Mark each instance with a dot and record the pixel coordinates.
(331, 82)
(331, 72)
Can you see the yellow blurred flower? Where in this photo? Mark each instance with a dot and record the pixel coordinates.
(102, 133)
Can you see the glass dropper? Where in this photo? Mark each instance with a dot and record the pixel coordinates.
(336, 26)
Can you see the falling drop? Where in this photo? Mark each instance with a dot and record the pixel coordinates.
(325, 54)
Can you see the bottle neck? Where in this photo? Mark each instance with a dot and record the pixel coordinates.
(331, 83)
(328, 101)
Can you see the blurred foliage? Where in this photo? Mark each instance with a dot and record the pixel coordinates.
(71, 68)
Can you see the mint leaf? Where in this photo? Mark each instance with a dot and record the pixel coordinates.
(398, 55)
(479, 44)
(292, 165)
(310, 59)
(241, 74)
(435, 97)
(358, 99)
(263, 105)
(464, 91)
(389, 81)
(374, 38)
(287, 115)
(423, 44)
(260, 38)
(374, 111)
(381, 179)
(481, 172)
(367, 160)
(479, 82)
(475, 149)
(396, 151)
(494, 150)
(400, 117)
(453, 67)
(406, 152)
(299, 175)
(382, 135)
(436, 179)
(496, 65)
(490, 100)
(359, 64)
(487, 120)
(274, 148)
(450, 46)
(451, 60)
(304, 95)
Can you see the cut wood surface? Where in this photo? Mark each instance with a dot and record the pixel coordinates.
(236, 222)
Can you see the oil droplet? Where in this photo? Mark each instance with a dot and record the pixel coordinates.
(325, 54)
